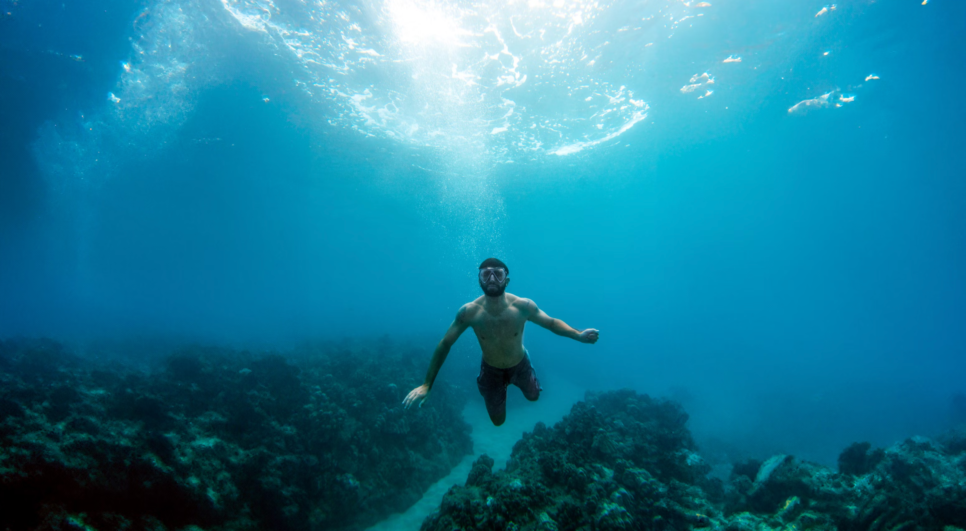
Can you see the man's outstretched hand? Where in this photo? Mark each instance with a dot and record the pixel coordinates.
(419, 394)
(588, 336)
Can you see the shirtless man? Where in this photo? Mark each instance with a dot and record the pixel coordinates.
(498, 319)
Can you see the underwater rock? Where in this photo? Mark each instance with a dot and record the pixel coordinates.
(954, 441)
(621, 461)
(859, 459)
(215, 438)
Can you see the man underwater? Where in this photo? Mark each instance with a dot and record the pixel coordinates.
(498, 319)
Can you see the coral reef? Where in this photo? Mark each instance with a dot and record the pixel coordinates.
(218, 439)
(619, 460)
(915, 484)
(316, 439)
(623, 461)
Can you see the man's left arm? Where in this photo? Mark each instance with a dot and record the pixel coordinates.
(539, 317)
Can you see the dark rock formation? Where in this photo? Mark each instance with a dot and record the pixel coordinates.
(916, 484)
(217, 438)
(618, 461)
(859, 459)
(621, 460)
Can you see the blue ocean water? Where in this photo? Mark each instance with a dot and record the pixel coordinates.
(760, 205)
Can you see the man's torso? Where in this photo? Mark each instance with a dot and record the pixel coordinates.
(500, 330)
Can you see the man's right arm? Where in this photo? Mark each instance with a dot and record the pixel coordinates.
(459, 325)
(455, 330)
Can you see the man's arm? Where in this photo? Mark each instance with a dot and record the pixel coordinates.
(453, 333)
(459, 325)
(536, 315)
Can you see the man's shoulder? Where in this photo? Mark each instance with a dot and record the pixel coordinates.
(522, 303)
(475, 303)
(470, 309)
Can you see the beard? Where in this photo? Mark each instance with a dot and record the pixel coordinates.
(493, 289)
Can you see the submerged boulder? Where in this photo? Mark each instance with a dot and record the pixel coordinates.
(619, 460)
(916, 484)
(860, 458)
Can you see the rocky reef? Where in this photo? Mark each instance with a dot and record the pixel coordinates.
(218, 439)
(622, 461)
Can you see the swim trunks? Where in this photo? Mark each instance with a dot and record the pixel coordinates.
(493, 382)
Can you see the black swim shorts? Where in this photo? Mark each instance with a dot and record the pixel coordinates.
(493, 382)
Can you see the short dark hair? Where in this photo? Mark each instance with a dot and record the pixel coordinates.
(493, 262)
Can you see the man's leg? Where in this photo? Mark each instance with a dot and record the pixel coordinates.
(492, 386)
(525, 378)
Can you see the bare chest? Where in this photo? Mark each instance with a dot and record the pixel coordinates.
(505, 326)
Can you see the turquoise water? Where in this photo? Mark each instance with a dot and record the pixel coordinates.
(776, 241)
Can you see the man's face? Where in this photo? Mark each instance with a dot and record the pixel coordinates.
(493, 280)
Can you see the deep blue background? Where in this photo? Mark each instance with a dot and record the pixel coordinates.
(797, 281)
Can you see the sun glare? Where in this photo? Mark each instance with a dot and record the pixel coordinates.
(423, 22)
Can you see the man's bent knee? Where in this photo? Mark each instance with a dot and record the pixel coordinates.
(498, 421)
(532, 392)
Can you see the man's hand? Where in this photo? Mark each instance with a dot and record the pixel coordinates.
(421, 393)
(588, 336)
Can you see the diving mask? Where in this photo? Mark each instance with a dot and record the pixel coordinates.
(497, 273)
